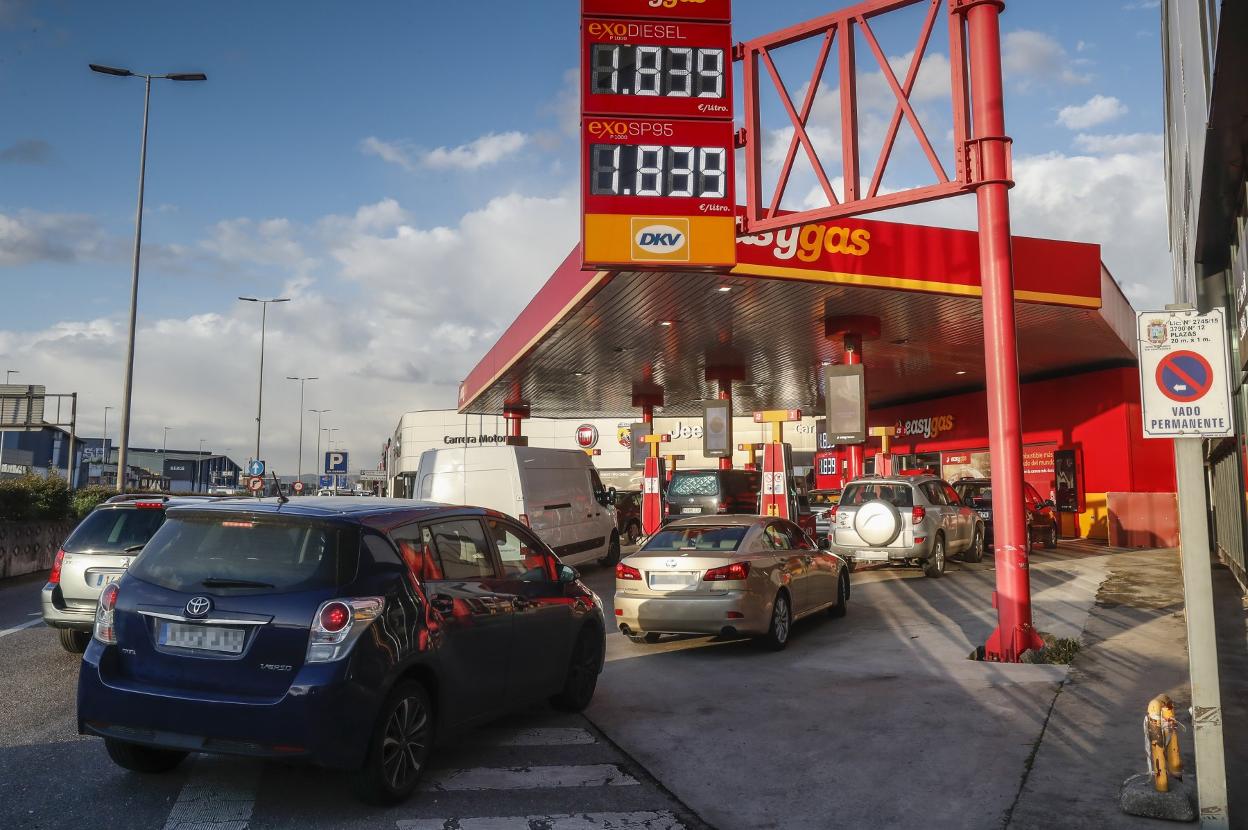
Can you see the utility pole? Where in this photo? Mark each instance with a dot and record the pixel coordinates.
(264, 314)
(319, 413)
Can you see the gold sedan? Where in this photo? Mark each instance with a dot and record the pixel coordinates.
(727, 575)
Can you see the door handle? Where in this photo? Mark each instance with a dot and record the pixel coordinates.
(442, 603)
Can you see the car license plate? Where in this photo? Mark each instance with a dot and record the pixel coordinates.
(103, 578)
(202, 637)
(985, 514)
(667, 580)
(691, 510)
(871, 555)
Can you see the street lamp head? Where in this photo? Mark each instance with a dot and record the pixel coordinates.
(187, 76)
(110, 70)
(249, 299)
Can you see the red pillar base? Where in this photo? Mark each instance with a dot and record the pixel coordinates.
(998, 650)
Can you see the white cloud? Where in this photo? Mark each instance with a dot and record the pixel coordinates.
(1120, 143)
(1096, 110)
(480, 152)
(30, 236)
(1031, 58)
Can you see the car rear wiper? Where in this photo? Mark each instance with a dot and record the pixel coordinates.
(218, 582)
(133, 548)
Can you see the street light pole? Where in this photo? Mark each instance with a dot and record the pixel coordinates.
(103, 447)
(199, 462)
(302, 381)
(264, 313)
(319, 413)
(138, 238)
(7, 374)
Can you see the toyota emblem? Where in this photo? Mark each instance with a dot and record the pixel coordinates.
(587, 436)
(198, 606)
(671, 563)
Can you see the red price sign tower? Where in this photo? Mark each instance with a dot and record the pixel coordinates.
(657, 142)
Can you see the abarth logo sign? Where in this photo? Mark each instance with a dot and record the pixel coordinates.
(624, 434)
(198, 606)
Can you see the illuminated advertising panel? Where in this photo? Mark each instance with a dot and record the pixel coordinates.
(677, 69)
(658, 191)
(657, 138)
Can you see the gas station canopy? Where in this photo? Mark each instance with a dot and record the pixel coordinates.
(587, 336)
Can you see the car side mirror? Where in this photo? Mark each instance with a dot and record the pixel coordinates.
(568, 574)
(611, 496)
(1048, 503)
(825, 543)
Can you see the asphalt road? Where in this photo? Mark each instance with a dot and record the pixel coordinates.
(689, 721)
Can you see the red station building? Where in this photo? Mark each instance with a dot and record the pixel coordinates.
(614, 343)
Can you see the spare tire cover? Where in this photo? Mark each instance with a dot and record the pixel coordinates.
(877, 522)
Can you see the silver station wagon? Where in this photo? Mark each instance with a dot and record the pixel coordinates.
(917, 520)
(727, 575)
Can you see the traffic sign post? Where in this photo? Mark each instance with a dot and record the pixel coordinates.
(1185, 394)
(255, 484)
(335, 463)
(255, 467)
(298, 488)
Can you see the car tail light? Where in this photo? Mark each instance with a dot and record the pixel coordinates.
(917, 514)
(733, 572)
(105, 631)
(832, 511)
(723, 506)
(338, 624)
(524, 517)
(54, 578)
(149, 505)
(667, 509)
(623, 571)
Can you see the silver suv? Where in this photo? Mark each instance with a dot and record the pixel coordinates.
(98, 552)
(917, 520)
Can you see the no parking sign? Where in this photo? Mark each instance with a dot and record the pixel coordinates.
(1184, 379)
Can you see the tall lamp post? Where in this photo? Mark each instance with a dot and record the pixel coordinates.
(302, 381)
(199, 462)
(264, 313)
(319, 413)
(8, 373)
(138, 237)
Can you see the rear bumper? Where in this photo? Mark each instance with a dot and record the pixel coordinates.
(58, 615)
(643, 613)
(320, 719)
(867, 555)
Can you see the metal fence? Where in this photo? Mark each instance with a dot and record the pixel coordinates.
(1228, 501)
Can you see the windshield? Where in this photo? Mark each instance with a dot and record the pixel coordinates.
(702, 537)
(898, 495)
(693, 484)
(975, 493)
(236, 552)
(115, 529)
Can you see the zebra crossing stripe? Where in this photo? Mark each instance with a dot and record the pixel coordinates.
(580, 821)
(529, 778)
(547, 736)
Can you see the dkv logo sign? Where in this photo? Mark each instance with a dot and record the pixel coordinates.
(660, 240)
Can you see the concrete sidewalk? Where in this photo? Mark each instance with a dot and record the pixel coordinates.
(879, 720)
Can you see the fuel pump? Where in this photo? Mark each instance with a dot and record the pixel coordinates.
(653, 484)
(751, 464)
(777, 464)
(671, 465)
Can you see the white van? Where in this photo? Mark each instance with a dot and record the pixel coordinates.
(556, 492)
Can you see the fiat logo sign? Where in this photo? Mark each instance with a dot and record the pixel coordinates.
(587, 436)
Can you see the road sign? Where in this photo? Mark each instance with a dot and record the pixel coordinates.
(326, 481)
(335, 462)
(372, 475)
(342, 483)
(1184, 377)
(255, 484)
(255, 467)
(298, 486)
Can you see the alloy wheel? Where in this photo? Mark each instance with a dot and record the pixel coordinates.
(780, 618)
(405, 741)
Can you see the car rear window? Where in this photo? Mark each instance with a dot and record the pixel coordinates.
(693, 484)
(898, 495)
(115, 529)
(708, 538)
(243, 553)
(975, 493)
(824, 499)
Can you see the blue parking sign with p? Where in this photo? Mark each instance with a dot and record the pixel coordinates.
(335, 463)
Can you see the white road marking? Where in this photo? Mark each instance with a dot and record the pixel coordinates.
(529, 778)
(580, 821)
(220, 794)
(538, 736)
(6, 632)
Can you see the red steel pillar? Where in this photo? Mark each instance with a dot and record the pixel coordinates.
(990, 149)
(515, 414)
(853, 452)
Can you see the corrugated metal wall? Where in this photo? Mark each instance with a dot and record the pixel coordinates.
(1227, 496)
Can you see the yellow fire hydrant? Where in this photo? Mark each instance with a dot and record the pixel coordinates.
(1162, 733)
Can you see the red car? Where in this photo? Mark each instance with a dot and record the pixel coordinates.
(976, 493)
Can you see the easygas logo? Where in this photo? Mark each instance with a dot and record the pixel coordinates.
(671, 4)
(810, 242)
(660, 240)
(620, 130)
(924, 427)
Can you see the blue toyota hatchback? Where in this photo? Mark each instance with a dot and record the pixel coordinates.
(349, 633)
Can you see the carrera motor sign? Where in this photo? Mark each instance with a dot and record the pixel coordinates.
(657, 140)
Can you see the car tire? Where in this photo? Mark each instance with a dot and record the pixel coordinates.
(633, 532)
(1050, 538)
(650, 637)
(73, 641)
(139, 758)
(777, 636)
(613, 552)
(582, 677)
(934, 565)
(842, 597)
(399, 747)
(975, 553)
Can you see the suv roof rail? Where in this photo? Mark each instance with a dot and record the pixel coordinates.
(124, 497)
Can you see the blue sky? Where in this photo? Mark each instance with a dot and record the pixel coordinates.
(369, 159)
